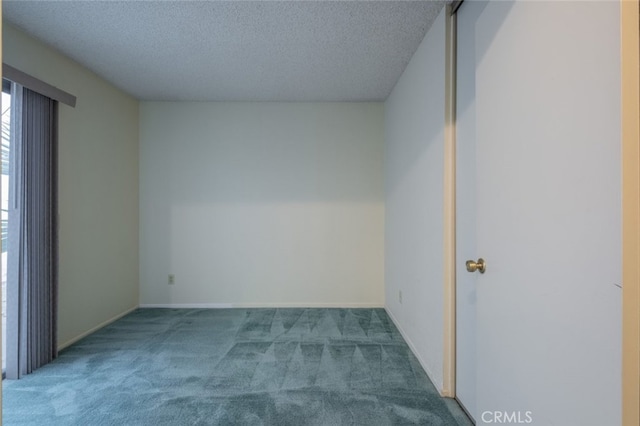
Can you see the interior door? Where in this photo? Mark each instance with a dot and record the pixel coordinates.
(466, 248)
(539, 125)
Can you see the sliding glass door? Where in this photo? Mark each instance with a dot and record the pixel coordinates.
(4, 204)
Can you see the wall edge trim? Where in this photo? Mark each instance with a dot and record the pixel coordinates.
(96, 328)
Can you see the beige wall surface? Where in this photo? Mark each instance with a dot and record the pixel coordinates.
(98, 188)
(261, 204)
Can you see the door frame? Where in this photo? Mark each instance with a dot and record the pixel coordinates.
(630, 141)
(630, 111)
(449, 203)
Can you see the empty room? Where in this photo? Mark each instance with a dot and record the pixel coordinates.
(320, 212)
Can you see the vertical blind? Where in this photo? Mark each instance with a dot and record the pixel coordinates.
(32, 287)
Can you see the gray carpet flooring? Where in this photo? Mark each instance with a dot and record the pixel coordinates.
(234, 367)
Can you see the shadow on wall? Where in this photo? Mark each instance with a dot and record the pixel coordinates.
(266, 152)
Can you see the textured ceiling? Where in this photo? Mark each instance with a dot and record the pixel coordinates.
(235, 50)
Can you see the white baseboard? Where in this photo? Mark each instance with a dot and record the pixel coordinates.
(422, 362)
(187, 305)
(96, 328)
(258, 305)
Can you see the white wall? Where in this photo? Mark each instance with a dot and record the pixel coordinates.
(261, 204)
(98, 188)
(414, 152)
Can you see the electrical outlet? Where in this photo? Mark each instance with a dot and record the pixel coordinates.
(400, 296)
(172, 279)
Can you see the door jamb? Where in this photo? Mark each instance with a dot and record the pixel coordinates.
(630, 111)
(449, 356)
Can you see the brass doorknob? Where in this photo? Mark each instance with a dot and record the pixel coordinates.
(480, 265)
